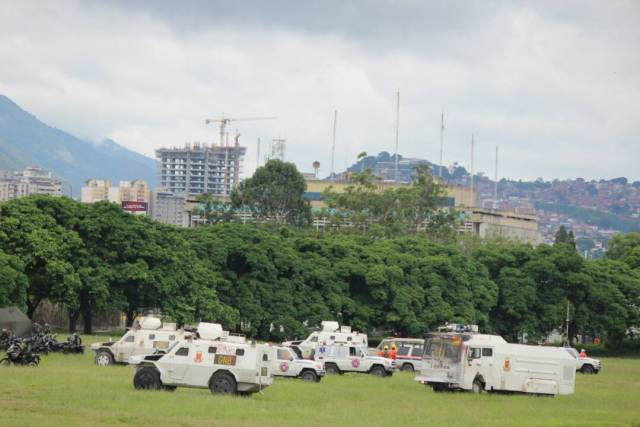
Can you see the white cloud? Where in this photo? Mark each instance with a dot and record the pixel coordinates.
(558, 91)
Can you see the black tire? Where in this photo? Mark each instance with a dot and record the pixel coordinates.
(103, 358)
(331, 369)
(439, 387)
(147, 378)
(5, 362)
(477, 387)
(309, 375)
(407, 367)
(378, 371)
(223, 383)
(587, 369)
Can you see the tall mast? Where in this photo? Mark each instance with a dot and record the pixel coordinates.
(397, 130)
(441, 142)
(258, 155)
(471, 173)
(333, 145)
(495, 183)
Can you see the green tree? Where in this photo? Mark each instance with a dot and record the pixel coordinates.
(275, 192)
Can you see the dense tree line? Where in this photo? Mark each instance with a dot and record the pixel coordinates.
(269, 281)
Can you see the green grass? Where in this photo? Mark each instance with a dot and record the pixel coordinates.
(69, 390)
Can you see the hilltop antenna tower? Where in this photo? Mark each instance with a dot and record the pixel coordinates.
(441, 142)
(333, 145)
(278, 148)
(495, 184)
(258, 155)
(397, 130)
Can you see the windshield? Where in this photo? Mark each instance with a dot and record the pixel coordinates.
(443, 347)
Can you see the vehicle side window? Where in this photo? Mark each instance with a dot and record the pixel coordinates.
(474, 353)
(418, 350)
(172, 337)
(239, 351)
(212, 350)
(487, 352)
(152, 336)
(348, 338)
(130, 338)
(183, 351)
(265, 357)
(314, 339)
(404, 350)
(353, 352)
(332, 337)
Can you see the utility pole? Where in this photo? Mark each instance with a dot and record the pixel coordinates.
(397, 130)
(471, 173)
(333, 145)
(441, 142)
(495, 184)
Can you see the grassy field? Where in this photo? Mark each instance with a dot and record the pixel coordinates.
(69, 390)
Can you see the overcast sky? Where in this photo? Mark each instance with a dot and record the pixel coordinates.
(555, 84)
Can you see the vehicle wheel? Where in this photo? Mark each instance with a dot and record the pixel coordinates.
(309, 376)
(587, 369)
(5, 362)
(147, 378)
(439, 387)
(378, 371)
(103, 358)
(407, 367)
(222, 383)
(331, 369)
(477, 386)
(33, 364)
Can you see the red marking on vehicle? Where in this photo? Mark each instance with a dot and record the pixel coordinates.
(355, 363)
(284, 366)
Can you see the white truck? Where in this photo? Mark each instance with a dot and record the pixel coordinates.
(408, 352)
(478, 362)
(339, 359)
(331, 333)
(147, 335)
(207, 360)
(586, 365)
(287, 364)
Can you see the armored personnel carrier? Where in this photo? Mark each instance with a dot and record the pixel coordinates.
(208, 359)
(147, 336)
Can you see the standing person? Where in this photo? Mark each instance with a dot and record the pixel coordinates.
(322, 350)
(393, 353)
(384, 352)
(583, 354)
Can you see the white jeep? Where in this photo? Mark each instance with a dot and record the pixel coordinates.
(339, 359)
(287, 364)
(586, 365)
(207, 361)
(147, 336)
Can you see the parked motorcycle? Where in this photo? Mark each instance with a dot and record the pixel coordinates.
(20, 353)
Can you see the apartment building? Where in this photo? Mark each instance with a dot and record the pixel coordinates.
(31, 180)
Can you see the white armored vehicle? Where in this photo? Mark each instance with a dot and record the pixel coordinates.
(586, 365)
(146, 336)
(339, 359)
(209, 360)
(287, 364)
(331, 333)
(477, 362)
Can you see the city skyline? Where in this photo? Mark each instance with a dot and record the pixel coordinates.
(552, 85)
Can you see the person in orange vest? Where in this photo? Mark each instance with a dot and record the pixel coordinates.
(384, 352)
(583, 354)
(393, 353)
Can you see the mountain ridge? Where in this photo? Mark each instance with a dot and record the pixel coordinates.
(27, 141)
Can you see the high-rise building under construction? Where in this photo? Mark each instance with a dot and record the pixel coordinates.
(201, 168)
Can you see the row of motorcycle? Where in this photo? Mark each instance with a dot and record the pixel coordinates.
(26, 351)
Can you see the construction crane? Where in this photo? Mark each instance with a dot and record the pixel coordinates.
(224, 121)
